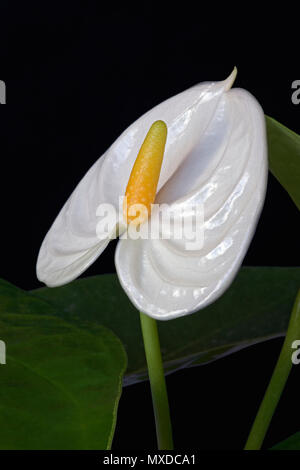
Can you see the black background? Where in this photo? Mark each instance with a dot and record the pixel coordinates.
(77, 74)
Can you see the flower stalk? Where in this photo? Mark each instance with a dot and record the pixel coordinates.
(157, 382)
(277, 382)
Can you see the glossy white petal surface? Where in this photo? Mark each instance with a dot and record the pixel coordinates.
(225, 169)
(72, 245)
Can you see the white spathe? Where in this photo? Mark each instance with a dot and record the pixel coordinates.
(216, 155)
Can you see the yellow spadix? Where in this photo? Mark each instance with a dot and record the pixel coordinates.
(142, 185)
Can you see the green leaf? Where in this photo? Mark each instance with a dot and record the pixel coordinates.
(256, 307)
(60, 386)
(291, 443)
(284, 157)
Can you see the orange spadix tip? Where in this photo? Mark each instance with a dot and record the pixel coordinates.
(142, 185)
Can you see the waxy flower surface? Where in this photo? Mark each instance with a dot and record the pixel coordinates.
(215, 156)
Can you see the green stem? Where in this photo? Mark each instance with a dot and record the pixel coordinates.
(277, 382)
(157, 383)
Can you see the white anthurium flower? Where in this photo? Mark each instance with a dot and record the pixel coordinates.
(215, 157)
